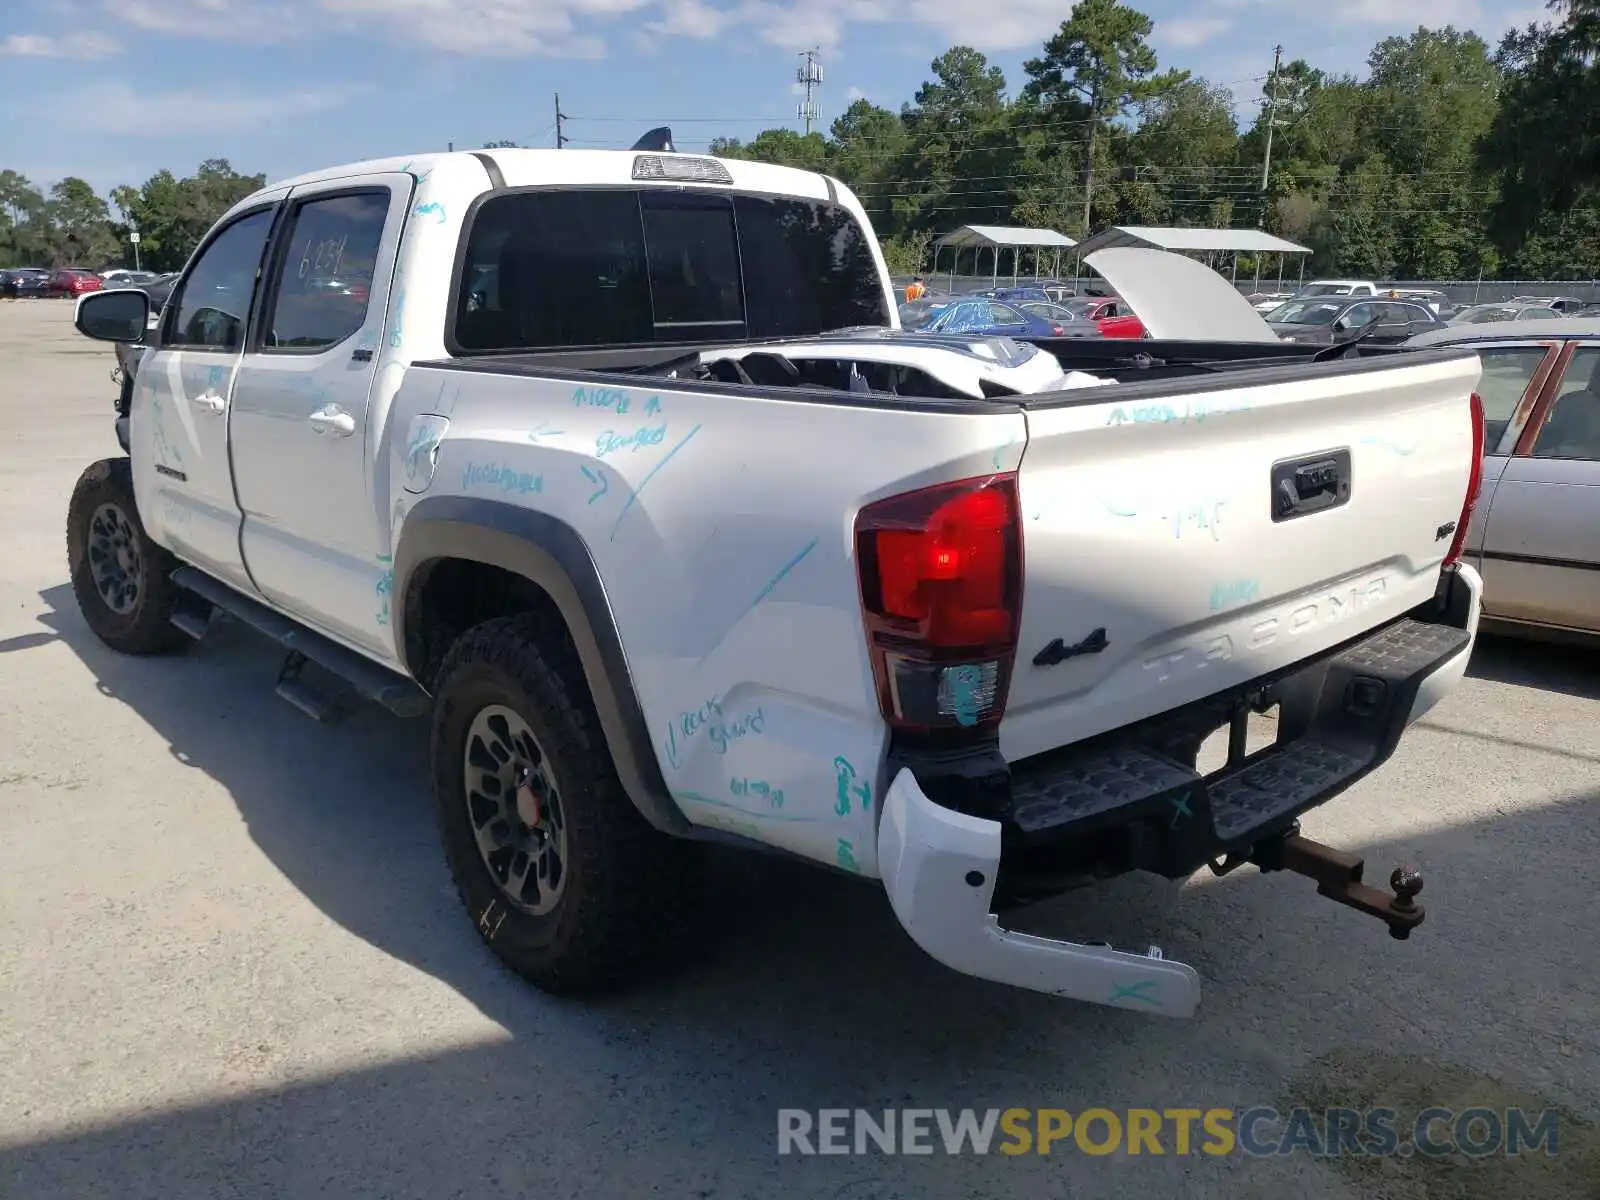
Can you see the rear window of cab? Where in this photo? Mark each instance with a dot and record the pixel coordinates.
(572, 268)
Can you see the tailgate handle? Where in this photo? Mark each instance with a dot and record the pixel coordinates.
(1315, 483)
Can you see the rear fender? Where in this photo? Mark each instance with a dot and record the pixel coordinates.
(549, 553)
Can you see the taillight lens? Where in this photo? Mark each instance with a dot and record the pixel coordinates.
(941, 591)
(1474, 482)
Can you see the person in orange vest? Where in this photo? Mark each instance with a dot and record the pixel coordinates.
(915, 291)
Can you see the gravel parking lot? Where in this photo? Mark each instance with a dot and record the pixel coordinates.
(232, 963)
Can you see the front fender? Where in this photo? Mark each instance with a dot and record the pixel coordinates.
(549, 553)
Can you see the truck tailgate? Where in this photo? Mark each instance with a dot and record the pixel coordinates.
(1180, 544)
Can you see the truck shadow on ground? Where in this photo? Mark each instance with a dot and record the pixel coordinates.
(806, 994)
(1573, 669)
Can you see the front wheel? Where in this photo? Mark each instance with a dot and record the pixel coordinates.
(122, 579)
(563, 878)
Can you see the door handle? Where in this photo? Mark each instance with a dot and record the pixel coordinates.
(332, 419)
(211, 403)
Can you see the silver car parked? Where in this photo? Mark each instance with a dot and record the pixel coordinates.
(1535, 533)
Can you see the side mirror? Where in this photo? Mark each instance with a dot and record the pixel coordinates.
(115, 316)
(1342, 325)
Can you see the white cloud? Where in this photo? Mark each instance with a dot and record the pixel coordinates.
(853, 93)
(1186, 32)
(523, 28)
(117, 109)
(689, 18)
(86, 45)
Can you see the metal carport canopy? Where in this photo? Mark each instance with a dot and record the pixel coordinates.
(997, 238)
(1009, 236)
(1225, 241)
(1199, 241)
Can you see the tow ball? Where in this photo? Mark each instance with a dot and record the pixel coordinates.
(1338, 877)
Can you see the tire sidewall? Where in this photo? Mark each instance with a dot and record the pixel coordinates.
(100, 485)
(462, 695)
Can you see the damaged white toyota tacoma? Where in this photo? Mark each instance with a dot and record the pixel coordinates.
(617, 464)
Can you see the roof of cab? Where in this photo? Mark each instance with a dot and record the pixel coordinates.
(524, 167)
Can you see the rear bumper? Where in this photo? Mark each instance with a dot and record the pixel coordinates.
(1136, 796)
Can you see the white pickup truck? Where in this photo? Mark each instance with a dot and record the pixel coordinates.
(617, 464)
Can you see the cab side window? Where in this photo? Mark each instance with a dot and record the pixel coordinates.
(325, 282)
(213, 303)
(1507, 371)
(1572, 426)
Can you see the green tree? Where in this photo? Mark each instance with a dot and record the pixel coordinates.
(80, 226)
(1182, 157)
(1095, 68)
(24, 228)
(959, 162)
(173, 214)
(1543, 146)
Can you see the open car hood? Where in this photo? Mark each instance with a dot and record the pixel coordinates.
(1179, 299)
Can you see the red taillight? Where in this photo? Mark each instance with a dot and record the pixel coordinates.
(941, 591)
(1474, 482)
(1059, 332)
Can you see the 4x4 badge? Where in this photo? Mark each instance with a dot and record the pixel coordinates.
(1058, 651)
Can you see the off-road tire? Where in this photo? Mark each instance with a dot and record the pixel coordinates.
(146, 628)
(628, 887)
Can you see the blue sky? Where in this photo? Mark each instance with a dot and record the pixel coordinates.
(113, 90)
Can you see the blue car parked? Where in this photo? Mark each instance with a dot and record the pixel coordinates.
(982, 315)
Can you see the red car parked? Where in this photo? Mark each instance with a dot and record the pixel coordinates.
(1113, 318)
(72, 282)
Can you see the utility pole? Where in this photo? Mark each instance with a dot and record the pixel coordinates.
(809, 76)
(1088, 165)
(1272, 118)
(561, 138)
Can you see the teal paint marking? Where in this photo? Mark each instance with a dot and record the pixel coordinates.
(964, 682)
(1136, 991)
(651, 474)
(766, 591)
(652, 406)
(755, 813)
(847, 786)
(847, 857)
(1180, 806)
(783, 573)
(596, 476)
(1234, 591)
(397, 334)
(1118, 510)
(493, 475)
(1392, 447)
(384, 587)
(611, 441)
(543, 430)
(1165, 414)
(756, 787)
(433, 206)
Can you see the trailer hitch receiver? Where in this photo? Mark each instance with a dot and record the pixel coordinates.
(1338, 877)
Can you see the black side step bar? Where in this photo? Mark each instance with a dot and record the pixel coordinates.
(394, 691)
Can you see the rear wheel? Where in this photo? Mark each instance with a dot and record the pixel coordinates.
(122, 579)
(563, 879)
